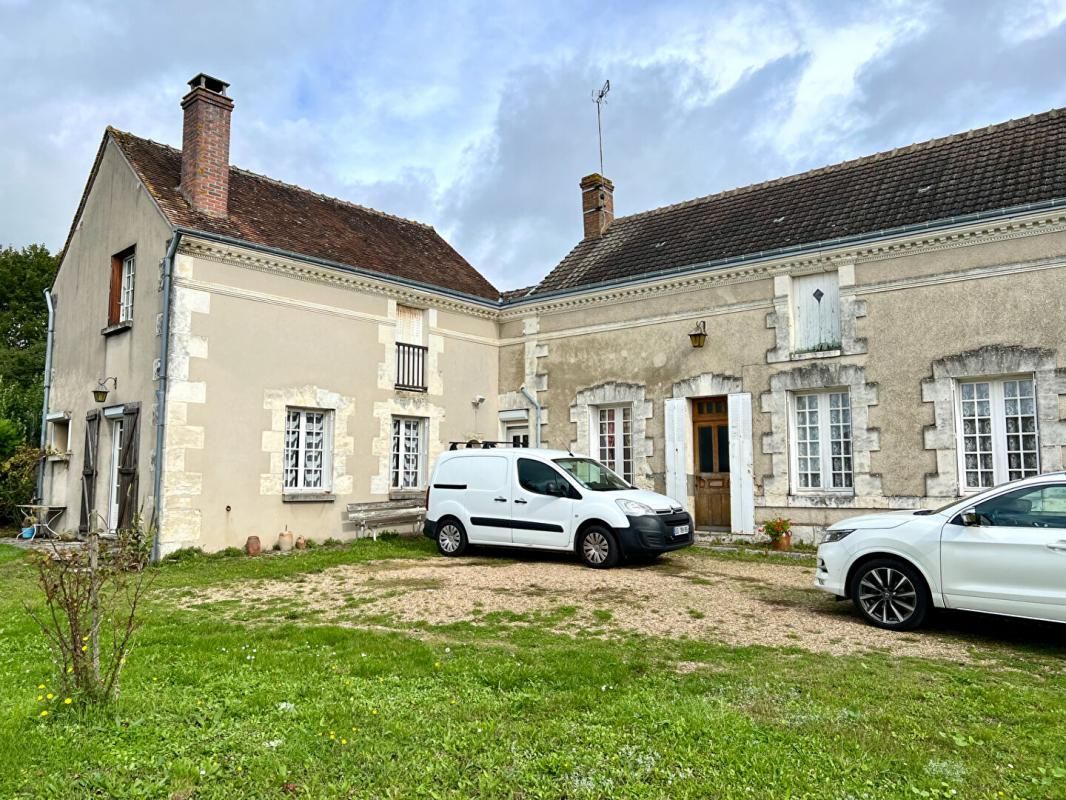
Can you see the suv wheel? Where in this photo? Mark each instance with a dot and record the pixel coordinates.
(890, 594)
(451, 538)
(598, 548)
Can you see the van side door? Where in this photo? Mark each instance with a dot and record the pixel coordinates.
(543, 507)
(478, 491)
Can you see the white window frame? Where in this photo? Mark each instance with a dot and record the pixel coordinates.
(398, 452)
(825, 427)
(125, 301)
(513, 430)
(117, 425)
(300, 486)
(614, 456)
(1001, 470)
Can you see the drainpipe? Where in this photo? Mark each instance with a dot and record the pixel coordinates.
(47, 390)
(161, 391)
(536, 413)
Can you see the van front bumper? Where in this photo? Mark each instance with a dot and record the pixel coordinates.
(649, 535)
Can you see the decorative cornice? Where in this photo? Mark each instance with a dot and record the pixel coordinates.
(830, 258)
(313, 273)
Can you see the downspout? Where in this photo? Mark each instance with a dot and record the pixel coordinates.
(536, 414)
(161, 392)
(47, 391)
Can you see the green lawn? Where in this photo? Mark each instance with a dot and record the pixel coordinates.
(212, 708)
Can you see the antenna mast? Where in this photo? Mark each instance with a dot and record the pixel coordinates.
(600, 99)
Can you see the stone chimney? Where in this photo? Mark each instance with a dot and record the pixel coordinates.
(597, 204)
(205, 146)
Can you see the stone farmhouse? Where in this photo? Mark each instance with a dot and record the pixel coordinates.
(233, 355)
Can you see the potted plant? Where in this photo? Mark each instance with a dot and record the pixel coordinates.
(779, 530)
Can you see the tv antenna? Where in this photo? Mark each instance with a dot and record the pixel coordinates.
(600, 99)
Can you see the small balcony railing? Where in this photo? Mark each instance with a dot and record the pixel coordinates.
(410, 367)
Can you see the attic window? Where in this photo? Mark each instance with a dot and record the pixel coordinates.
(120, 295)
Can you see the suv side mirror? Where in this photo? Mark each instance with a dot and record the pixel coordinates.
(970, 518)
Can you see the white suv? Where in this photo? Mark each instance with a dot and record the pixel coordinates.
(1002, 551)
(548, 500)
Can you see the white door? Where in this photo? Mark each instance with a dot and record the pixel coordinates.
(116, 456)
(1014, 560)
(539, 518)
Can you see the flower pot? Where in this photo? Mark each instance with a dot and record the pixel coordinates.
(253, 546)
(782, 542)
(301, 543)
(285, 541)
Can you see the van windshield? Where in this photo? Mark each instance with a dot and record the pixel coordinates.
(592, 474)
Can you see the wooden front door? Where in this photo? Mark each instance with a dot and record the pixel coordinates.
(710, 446)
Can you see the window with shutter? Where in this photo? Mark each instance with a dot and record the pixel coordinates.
(409, 324)
(120, 293)
(816, 312)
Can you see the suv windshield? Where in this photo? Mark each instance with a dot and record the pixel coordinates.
(592, 474)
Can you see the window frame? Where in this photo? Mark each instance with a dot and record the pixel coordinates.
(1000, 453)
(119, 312)
(397, 452)
(825, 454)
(616, 461)
(326, 468)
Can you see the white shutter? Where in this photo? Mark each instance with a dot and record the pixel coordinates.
(409, 325)
(676, 419)
(816, 312)
(741, 472)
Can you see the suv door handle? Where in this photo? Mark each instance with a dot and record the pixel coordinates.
(1059, 545)
(520, 500)
(500, 499)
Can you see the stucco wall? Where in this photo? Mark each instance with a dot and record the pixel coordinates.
(908, 304)
(118, 213)
(262, 337)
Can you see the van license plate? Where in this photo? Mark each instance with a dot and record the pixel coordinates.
(681, 530)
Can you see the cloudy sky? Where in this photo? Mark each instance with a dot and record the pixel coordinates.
(477, 117)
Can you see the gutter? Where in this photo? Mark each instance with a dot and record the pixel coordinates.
(767, 255)
(323, 262)
(161, 392)
(47, 391)
(536, 412)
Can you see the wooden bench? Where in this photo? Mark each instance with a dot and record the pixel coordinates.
(370, 517)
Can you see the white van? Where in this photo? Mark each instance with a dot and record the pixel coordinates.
(548, 500)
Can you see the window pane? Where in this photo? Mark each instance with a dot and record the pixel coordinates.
(807, 441)
(705, 434)
(976, 435)
(723, 448)
(1019, 411)
(536, 476)
(615, 440)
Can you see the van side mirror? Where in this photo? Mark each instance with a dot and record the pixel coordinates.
(970, 518)
(555, 489)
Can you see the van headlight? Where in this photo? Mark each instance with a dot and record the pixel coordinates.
(836, 536)
(631, 508)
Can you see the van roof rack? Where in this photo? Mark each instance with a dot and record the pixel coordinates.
(476, 444)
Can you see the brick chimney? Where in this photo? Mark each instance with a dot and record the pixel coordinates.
(597, 204)
(205, 146)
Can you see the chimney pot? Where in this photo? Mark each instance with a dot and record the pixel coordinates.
(205, 145)
(597, 204)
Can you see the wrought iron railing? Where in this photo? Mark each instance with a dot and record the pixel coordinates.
(410, 367)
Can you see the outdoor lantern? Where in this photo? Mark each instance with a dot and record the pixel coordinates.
(100, 392)
(699, 336)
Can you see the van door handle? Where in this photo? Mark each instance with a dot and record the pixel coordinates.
(520, 500)
(1059, 545)
(500, 499)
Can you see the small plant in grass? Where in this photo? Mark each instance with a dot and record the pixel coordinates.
(92, 595)
(332, 542)
(779, 530)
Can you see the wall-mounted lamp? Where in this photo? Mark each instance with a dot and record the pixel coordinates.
(100, 392)
(698, 337)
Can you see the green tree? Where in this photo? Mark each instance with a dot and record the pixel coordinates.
(24, 275)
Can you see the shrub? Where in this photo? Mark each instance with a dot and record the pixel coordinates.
(18, 481)
(332, 542)
(92, 593)
(182, 555)
(776, 527)
(228, 552)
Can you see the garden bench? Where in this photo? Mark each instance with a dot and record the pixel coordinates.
(374, 516)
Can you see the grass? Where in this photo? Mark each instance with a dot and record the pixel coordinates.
(215, 709)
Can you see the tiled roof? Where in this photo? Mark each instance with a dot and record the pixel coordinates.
(1002, 166)
(266, 212)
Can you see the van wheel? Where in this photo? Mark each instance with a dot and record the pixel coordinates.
(451, 538)
(598, 548)
(890, 594)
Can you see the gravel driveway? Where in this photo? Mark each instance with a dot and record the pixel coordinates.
(684, 595)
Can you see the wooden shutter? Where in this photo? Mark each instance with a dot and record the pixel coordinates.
(816, 312)
(88, 470)
(114, 297)
(129, 449)
(409, 324)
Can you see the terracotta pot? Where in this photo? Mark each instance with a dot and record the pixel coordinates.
(782, 542)
(301, 543)
(253, 546)
(285, 541)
